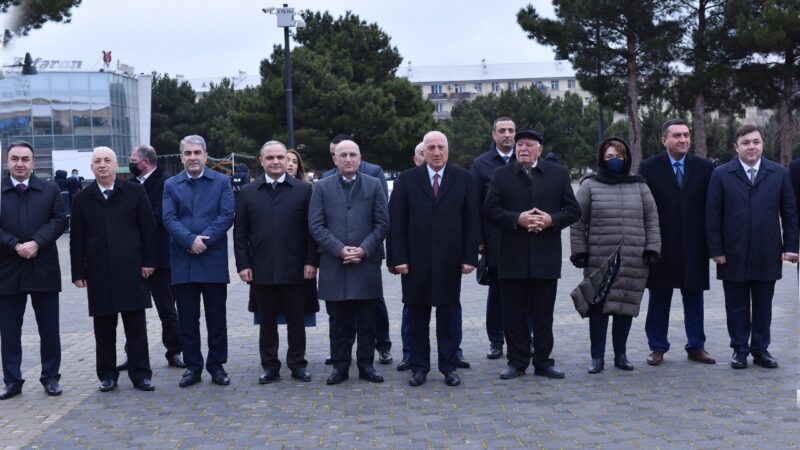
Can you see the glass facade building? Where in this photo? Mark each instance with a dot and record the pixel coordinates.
(58, 111)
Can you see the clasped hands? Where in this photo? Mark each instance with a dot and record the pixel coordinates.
(198, 245)
(534, 220)
(27, 250)
(352, 255)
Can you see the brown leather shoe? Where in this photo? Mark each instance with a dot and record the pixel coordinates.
(655, 358)
(701, 356)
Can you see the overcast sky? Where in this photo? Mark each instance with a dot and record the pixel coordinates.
(204, 38)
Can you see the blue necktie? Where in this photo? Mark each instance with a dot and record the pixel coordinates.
(679, 173)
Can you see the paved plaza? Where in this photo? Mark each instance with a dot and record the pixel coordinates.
(680, 404)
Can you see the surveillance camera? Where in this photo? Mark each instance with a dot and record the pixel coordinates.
(300, 23)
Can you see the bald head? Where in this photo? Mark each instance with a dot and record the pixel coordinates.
(436, 149)
(104, 165)
(419, 152)
(347, 157)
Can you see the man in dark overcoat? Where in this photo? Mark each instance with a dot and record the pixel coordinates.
(31, 220)
(145, 171)
(530, 201)
(113, 252)
(678, 181)
(276, 254)
(348, 218)
(751, 228)
(434, 237)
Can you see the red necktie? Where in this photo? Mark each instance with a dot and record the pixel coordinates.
(436, 185)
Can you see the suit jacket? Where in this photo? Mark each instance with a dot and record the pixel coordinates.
(512, 191)
(154, 186)
(355, 216)
(34, 215)
(271, 234)
(482, 169)
(681, 217)
(751, 225)
(434, 235)
(198, 207)
(109, 243)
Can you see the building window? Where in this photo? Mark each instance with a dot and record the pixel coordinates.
(554, 85)
(570, 84)
(459, 88)
(436, 89)
(440, 107)
(513, 86)
(495, 87)
(478, 88)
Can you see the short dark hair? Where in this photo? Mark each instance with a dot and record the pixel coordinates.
(502, 119)
(341, 137)
(147, 152)
(25, 144)
(669, 123)
(747, 129)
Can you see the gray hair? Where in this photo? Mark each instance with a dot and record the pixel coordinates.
(273, 142)
(147, 152)
(193, 139)
(347, 143)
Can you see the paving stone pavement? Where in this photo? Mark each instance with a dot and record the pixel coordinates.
(677, 405)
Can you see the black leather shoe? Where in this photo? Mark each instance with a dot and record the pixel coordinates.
(328, 361)
(739, 360)
(52, 388)
(404, 365)
(495, 350)
(597, 365)
(144, 385)
(417, 378)
(189, 378)
(370, 374)
(452, 379)
(511, 372)
(384, 357)
(269, 375)
(548, 371)
(220, 378)
(124, 366)
(462, 363)
(108, 385)
(301, 374)
(765, 360)
(10, 390)
(338, 376)
(176, 360)
(621, 362)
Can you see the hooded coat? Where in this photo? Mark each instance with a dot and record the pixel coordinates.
(618, 212)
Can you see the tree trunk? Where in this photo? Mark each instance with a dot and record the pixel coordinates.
(634, 124)
(699, 125)
(786, 111)
(699, 112)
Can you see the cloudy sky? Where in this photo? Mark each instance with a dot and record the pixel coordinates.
(204, 38)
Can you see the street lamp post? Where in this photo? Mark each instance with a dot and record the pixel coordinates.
(286, 20)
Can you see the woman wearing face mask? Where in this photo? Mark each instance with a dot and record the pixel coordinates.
(614, 243)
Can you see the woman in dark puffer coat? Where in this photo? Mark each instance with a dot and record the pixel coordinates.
(618, 217)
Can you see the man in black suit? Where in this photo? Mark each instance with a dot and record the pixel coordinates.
(112, 246)
(145, 171)
(530, 201)
(500, 154)
(678, 181)
(434, 238)
(276, 255)
(31, 221)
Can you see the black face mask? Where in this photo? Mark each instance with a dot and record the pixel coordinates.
(134, 168)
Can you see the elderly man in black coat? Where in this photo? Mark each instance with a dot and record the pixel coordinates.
(434, 238)
(31, 220)
(530, 201)
(112, 249)
(276, 254)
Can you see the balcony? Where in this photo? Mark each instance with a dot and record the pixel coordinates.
(460, 96)
(433, 96)
(440, 115)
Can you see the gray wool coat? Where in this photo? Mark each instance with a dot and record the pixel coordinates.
(615, 216)
(357, 216)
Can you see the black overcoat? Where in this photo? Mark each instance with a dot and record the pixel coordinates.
(109, 243)
(522, 254)
(154, 186)
(34, 215)
(681, 219)
(482, 169)
(434, 235)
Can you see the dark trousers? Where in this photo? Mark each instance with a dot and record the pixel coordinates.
(351, 321)
(288, 299)
(404, 334)
(494, 315)
(160, 288)
(657, 323)
(448, 336)
(521, 299)
(743, 299)
(383, 343)
(105, 337)
(12, 312)
(598, 329)
(214, 296)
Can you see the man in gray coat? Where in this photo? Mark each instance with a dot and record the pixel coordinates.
(348, 217)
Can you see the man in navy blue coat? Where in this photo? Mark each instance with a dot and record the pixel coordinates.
(198, 211)
(751, 228)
